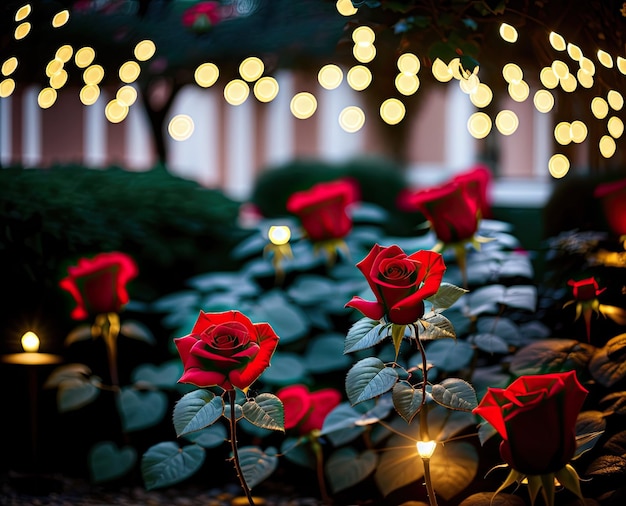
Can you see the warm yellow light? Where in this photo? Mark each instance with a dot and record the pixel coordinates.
(30, 342)
(616, 127)
(89, 94)
(60, 18)
(558, 166)
(512, 73)
(126, 95)
(425, 449)
(47, 97)
(588, 65)
(84, 56)
(115, 111)
(330, 76)
(144, 50)
(359, 77)
(599, 107)
(454, 66)
(569, 83)
(64, 53)
(180, 127)
(206, 74)
(584, 78)
(479, 125)
(441, 71)
(482, 96)
(507, 122)
(22, 12)
(574, 52)
(345, 8)
(363, 34)
(519, 91)
(407, 84)
(605, 58)
(548, 78)
(236, 92)
(563, 133)
(543, 100)
(54, 67)
(59, 79)
(279, 234)
(408, 63)
(129, 71)
(607, 146)
(621, 65)
(303, 105)
(392, 111)
(93, 74)
(7, 87)
(251, 68)
(615, 99)
(9, 66)
(351, 119)
(266, 89)
(557, 41)
(22, 30)
(508, 33)
(560, 69)
(363, 52)
(578, 131)
(469, 85)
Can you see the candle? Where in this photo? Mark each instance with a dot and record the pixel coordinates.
(31, 354)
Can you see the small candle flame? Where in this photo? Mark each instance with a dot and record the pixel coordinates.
(30, 342)
(279, 235)
(425, 449)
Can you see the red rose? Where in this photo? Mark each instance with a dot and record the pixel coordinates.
(98, 285)
(322, 209)
(585, 289)
(400, 283)
(307, 410)
(613, 200)
(536, 417)
(226, 350)
(202, 16)
(476, 182)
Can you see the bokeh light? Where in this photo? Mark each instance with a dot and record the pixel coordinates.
(9, 66)
(236, 92)
(407, 84)
(574, 52)
(359, 77)
(129, 71)
(59, 79)
(507, 122)
(615, 126)
(599, 107)
(206, 74)
(557, 41)
(303, 105)
(115, 111)
(251, 68)
(441, 71)
(479, 125)
(352, 119)
(144, 50)
(22, 30)
(364, 52)
(180, 127)
(47, 97)
(126, 95)
(22, 13)
(543, 100)
(392, 111)
(615, 100)
(89, 94)
(60, 18)
(481, 96)
(64, 53)
(605, 59)
(558, 165)
(345, 8)
(409, 63)
(607, 146)
(578, 131)
(508, 33)
(7, 87)
(84, 57)
(266, 89)
(93, 74)
(279, 234)
(548, 78)
(330, 76)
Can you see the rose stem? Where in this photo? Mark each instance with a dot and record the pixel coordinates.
(233, 443)
(432, 499)
(319, 460)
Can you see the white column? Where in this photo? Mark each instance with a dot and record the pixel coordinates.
(239, 137)
(279, 123)
(138, 146)
(95, 132)
(6, 139)
(460, 146)
(31, 128)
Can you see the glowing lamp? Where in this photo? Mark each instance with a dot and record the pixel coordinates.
(206, 74)
(180, 127)
(31, 356)
(303, 105)
(30, 342)
(279, 234)
(425, 449)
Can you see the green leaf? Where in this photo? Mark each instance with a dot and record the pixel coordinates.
(163, 376)
(449, 355)
(454, 393)
(453, 467)
(256, 464)
(295, 451)
(286, 368)
(340, 424)
(141, 409)
(324, 353)
(407, 400)
(107, 462)
(67, 372)
(489, 499)
(196, 410)
(485, 299)
(520, 297)
(288, 320)
(551, 355)
(265, 411)
(79, 333)
(435, 326)
(75, 393)
(364, 334)
(166, 464)
(346, 467)
(209, 437)
(369, 378)
(309, 289)
(446, 296)
(489, 343)
(608, 364)
(137, 330)
(618, 403)
(504, 328)
(608, 466)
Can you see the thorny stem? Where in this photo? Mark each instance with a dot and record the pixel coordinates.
(432, 499)
(233, 444)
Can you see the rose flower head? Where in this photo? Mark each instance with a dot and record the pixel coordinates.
(536, 418)
(226, 350)
(202, 16)
(400, 283)
(585, 293)
(98, 284)
(307, 410)
(322, 211)
(612, 197)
